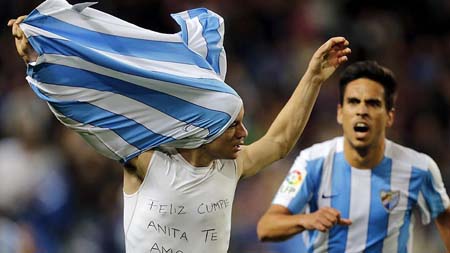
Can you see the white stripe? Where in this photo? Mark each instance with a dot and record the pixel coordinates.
(223, 56)
(35, 31)
(223, 65)
(359, 209)
(184, 15)
(145, 115)
(424, 211)
(305, 234)
(400, 180)
(321, 242)
(196, 42)
(173, 68)
(98, 21)
(194, 95)
(438, 184)
(411, 235)
(221, 29)
(103, 140)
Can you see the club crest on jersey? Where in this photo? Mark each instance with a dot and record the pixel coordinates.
(390, 199)
(293, 182)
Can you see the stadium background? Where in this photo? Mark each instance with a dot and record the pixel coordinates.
(58, 195)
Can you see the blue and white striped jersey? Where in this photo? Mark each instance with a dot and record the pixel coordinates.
(380, 202)
(126, 89)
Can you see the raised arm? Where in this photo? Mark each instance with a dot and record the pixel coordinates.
(290, 122)
(24, 48)
(443, 225)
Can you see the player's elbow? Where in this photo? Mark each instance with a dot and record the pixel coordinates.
(263, 231)
(282, 149)
(262, 235)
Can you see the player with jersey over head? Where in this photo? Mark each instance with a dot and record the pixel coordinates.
(158, 103)
(358, 192)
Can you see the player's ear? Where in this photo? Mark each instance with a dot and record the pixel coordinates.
(339, 114)
(390, 117)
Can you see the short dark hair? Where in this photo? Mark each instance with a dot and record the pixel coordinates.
(373, 71)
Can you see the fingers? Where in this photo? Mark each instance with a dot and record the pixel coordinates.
(21, 18)
(11, 22)
(328, 217)
(344, 52)
(336, 43)
(345, 222)
(334, 52)
(22, 45)
(16, 31)
(14, 23)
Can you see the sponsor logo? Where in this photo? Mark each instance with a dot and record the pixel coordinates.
(328, 196)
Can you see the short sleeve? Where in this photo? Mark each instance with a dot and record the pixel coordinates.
(296, 190)
(433, 198)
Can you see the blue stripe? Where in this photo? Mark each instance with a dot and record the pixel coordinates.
(315, 170)
(129, 130)
(173, 106)
(311, 184)
(404, 231)
(432, 197)
(340, 189)
(415, 182)
(142, 48)
(212, 38)
(312, 237)
(378, 216)
(197, 12)
(182, 23)
(44, 45)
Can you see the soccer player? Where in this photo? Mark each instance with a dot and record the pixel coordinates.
(357, 193)
(179, 199)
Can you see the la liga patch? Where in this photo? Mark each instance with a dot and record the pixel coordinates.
(293, 182)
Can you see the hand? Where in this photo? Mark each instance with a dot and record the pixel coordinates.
(323, 219)
(23, 47)
(328, 58)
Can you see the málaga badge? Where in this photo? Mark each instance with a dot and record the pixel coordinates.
(390, 199)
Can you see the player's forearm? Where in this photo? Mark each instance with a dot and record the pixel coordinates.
(291, 121)
(278, 227)
(443, 225)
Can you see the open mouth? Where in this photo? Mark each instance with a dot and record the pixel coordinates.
(361, 127)
(238, 146)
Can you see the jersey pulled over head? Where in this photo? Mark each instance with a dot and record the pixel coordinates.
(126, 89)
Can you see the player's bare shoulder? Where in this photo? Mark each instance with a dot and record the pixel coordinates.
(143, 162)
(138, 166)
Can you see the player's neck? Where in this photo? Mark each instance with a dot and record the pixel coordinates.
(196, 157)
(364, 157)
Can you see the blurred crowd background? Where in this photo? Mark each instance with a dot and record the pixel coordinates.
(58, 195)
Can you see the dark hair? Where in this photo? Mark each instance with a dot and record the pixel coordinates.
(373, 71)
